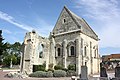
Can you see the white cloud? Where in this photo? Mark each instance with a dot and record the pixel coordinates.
(11, 20)
(106, 13)
(41, 26)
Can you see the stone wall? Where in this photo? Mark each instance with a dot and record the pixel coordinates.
(31, 52)
(68, 43)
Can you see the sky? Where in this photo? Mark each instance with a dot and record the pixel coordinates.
(20, 16)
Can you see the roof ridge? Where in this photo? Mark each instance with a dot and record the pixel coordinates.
(72, 15)
(89, 26)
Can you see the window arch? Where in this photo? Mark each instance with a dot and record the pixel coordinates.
(72, 50)
(64, 20)
(41, 51)
(58, 51)
(95, 52)
(85, 50)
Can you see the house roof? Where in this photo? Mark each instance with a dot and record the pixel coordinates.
(112, 56)
(82, 24)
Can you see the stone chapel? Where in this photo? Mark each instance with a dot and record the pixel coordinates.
(72, 41)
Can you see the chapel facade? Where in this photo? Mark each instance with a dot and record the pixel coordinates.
(72, 41)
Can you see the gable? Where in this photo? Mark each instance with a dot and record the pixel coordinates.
(68, 21)
(65, 23)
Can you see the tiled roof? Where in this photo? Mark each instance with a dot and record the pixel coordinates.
(112, 56)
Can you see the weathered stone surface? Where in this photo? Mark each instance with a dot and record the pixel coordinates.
(64, 45)
(84, 74)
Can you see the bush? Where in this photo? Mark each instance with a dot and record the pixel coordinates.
(7, 59)
(41, 74)
(71, 67)
(71, 73)
(58, 67)
(49, 74)
(65, 69)
(38, 68)
(51, 66)
(59, 73)
(50, 70)
(38, 74)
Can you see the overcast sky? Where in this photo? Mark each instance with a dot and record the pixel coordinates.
(20, 16)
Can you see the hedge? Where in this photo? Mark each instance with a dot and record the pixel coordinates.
(41, 74)
(59, 73)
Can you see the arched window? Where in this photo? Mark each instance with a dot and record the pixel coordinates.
(58, 51)
(64, 20)
(41, 54)
(41, 51)
(95, 53)
(85, 51)
(72, 50)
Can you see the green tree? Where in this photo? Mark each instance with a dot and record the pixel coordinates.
(9, 51)
(2, 47)
(7, 59)
(16, 49)
(12, 52)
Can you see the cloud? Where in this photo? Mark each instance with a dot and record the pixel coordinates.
(10, 19)
(106, 16)
(41, 26)
(100, 9)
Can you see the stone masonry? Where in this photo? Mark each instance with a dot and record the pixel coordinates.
(72, 41)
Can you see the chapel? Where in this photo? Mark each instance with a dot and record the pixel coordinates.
(72, 41)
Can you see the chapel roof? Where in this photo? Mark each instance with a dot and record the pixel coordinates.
(82, 24)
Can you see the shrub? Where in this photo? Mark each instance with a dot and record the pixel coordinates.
(50, 70)
(51, 66)
(38, 68)
(49, 74)
(65, 69)
(71, 73)
(38, 74)
(71, 67)
(58, 67)
(59, 73)
(41, 74)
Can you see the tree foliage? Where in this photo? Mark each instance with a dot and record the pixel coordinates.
(11, 51)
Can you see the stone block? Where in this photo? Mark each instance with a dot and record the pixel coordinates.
(117, 71)
(84, 73)
(103, 72)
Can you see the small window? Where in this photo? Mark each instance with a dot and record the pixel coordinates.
(58, 51)
(72, 50)
(95, 53)
(41, 54)
(40, 51)
(81, 43)
(85, 51)
(64, 20)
